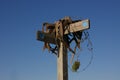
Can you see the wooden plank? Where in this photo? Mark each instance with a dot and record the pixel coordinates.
(45, 37)
(78, 26)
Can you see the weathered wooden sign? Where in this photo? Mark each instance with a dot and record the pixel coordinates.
(46, 37)
(58, 34)
(73, 27)
(78, 26)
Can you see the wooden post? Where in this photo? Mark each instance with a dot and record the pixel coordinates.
(62, 60)
(62, 63)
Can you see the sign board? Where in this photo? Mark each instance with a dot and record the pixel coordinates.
(78, 26)
(74, 27)
(45, 37)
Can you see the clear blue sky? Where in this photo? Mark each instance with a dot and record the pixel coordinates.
(21, 55)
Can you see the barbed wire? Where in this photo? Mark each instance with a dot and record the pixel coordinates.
(85, 37)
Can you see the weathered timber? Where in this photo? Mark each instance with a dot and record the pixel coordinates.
(46, 37)
(62, 63)
(78, 26)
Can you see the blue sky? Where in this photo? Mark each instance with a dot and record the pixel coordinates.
(21, 55)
